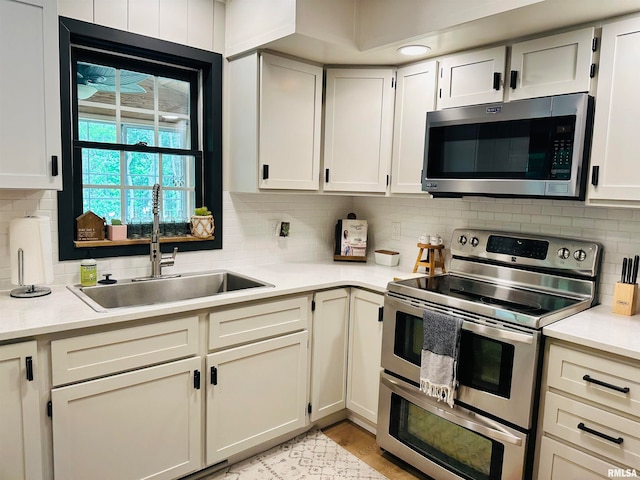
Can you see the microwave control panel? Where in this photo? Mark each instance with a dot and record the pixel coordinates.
(562, 151)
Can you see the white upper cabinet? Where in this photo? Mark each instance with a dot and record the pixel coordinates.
(415, 96)
(358, 129)
(551, 65)
(614, 175)
(30, 144)
(473, 77)
(275, 124)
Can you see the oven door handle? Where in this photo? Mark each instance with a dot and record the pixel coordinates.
(462, 417)
(497, 333)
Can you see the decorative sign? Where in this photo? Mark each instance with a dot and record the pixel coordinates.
(90, 226)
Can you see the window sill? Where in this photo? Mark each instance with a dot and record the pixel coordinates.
(136, 241)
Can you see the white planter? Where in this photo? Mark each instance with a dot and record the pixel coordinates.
(202, 226)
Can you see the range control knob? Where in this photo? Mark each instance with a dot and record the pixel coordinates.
(580, 255)
(563, 253)
(474, 241)
(462, 240)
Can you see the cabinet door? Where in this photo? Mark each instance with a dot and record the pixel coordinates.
(290, 106)
(551, 65)
(329, 342)
(358, 129)
(20, 440)
(365, 349)
(141, 424)
(615, 176)
(415, 96)
(560, 462)
(255, 393)
(472, 78)
(30, 145)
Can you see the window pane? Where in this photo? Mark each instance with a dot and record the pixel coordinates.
(177, 205)
(100, 167)
(173, 96)
(104, 202)
(178, 171)
(96, 131)
(142, 169)
(136, 90)
(174, 135)
(139, 205)
(96, 83)
(133, 133)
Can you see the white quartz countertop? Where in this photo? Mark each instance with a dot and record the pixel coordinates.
(62, 310)
(601, 329)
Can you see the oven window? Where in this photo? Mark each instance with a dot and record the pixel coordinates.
(467, 453)
(485, 364)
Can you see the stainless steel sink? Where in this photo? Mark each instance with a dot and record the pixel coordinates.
(128, 293)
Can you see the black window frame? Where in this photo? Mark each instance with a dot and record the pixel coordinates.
(209, 189)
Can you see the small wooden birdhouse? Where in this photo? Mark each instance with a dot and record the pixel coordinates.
(90, 227)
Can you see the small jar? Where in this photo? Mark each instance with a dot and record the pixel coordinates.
(88, 272)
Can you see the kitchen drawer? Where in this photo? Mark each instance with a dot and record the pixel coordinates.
(235, 326)
(562, 416)
(568, 367)
(89, 356)
(561, 462)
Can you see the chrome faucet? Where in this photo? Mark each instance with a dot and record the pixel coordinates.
(158, 260)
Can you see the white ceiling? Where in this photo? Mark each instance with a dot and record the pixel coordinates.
(519, 23)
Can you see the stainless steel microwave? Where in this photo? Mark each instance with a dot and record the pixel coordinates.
(527, 148)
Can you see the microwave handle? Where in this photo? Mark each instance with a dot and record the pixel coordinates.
(466, 419)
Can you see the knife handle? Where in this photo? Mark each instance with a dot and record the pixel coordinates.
(634, 274)
(623, 278)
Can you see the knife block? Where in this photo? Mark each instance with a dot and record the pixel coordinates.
(624, 298)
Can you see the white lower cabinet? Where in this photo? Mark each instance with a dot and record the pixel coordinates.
(255, 393)
(20, 437)
(329, 342)
(140, 424)
(365, 350)
(345, 353)
(560, 462)
(591, 415)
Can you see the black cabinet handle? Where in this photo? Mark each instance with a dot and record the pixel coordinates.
(214, 376)
(29, 367)
(587, 378)
(595, 173)
(265, 171)
(496, 80)
(513, 80)
(196, 379)
(380, 314)
(54, 166)
(326, 175)
(584, 428)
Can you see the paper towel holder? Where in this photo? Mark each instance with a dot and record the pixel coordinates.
(26, 291)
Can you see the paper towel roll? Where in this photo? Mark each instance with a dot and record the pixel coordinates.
(33, 236)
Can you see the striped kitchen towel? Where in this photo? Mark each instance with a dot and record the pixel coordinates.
(439, 362)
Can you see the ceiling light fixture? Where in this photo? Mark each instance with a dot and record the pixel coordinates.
(414, 49)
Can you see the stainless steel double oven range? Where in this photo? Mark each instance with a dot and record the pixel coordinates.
(506, 287)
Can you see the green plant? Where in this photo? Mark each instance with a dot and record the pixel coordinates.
(116, 221)
(202, 211)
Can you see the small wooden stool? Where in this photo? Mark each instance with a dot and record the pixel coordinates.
(430, 263)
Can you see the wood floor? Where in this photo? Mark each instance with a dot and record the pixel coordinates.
(362, 444)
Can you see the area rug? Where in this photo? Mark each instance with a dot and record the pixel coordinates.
(310, 456)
